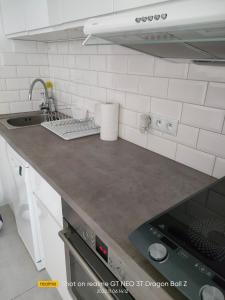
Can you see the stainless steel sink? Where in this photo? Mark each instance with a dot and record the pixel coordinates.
(27, 120)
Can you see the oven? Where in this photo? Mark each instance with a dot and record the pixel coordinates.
(88, 263)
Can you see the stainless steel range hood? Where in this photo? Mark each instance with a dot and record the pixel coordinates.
(182, 29)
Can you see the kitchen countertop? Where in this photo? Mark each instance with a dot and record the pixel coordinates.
(116, 185)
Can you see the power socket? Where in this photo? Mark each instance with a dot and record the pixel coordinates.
(164, 124)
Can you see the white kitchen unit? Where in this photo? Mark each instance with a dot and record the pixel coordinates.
(129, 4)
(25, 209)
(37, 14)
(26, 15)
(14, 15)
(73, 10)
(8, 194)
(49, 203)
(29, 16)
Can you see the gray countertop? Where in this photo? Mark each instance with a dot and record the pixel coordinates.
(117, 185)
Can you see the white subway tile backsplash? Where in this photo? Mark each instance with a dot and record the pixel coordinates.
(137, 102)
(69, 61)
(117, 63)
(153, 86)
(36, 105)
(36, 95)
(133, 135)
(56, 60)
(9, 96)
(186, 135)
(44, 71)
(167, 108)
(84, 76)
(118, 81)
(82, 62)
(59, 73)
(165, 68)
(42, 47)
(116, 97)
(83, 90)
(28, 71)
(77, 101)
(140, 64)
(208, 73)
(14, 59)
(66, 98)
(18, 107)
(8, 72)
(162, 146)
(17, 84)
(128, 117)
(52, 48)
(27, 47)
(97, 93)
(211, 142)
(219, 169)
(195, 159)
(4, 108)
(2, 84)
(203, 117)
(98, 62)
(37, 59)
(62, 47)
(216, 95)
(187, 90)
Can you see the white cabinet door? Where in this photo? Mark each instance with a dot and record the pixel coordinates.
(73, 10)
(128, 4)
(9, 193)
(14, 15)
(37, 14)
(54, 12)
(54, 252)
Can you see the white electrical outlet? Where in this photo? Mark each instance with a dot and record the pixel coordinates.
(164, 124)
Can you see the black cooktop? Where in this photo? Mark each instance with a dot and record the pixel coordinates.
(198, 225)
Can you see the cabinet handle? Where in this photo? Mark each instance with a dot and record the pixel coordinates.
(20, 171)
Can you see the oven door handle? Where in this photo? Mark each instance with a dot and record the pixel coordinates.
(82, 262)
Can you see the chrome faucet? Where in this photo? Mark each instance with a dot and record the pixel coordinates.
(45, 105)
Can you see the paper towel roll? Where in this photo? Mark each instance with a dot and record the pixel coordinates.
(109, 121)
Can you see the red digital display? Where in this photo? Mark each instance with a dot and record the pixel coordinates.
(102, 249)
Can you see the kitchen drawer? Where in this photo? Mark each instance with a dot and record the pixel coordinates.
(47, 195)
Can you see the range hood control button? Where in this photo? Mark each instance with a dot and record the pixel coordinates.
(150, 18)
(164, 16)
(144, 19)
(138, 20)
(158, 252)
(156, 17)
(209, 292)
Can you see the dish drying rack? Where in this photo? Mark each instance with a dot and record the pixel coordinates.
(64, 125)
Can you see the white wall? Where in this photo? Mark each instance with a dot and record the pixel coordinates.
(20, 63)
(195, 95)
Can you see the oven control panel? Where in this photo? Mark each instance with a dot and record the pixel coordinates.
(116, 265)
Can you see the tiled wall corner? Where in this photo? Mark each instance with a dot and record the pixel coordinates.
(20, 63)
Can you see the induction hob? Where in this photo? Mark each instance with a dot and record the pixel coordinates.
(187, 243)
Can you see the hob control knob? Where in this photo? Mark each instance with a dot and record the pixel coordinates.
(209, 292)
(158, 252)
